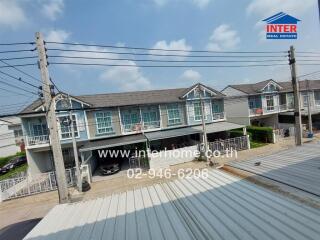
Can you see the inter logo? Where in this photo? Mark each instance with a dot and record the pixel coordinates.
(281, 26)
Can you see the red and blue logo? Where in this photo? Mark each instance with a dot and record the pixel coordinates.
(281, 26)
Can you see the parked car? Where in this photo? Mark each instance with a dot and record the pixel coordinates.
(13, 163)
(110, 166)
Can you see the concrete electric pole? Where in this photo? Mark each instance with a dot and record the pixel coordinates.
(75, 149)
(52, 122)
(296, 93)
(309, 107)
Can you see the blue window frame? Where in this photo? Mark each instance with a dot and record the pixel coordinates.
(174, 114)
(104, 122)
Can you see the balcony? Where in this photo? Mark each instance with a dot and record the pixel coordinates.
(37, 140)
(255, 111)
(139, 127)
(218, 116)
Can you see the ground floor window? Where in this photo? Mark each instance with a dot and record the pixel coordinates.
(104, 122)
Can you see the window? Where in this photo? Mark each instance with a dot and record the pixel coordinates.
(217, 107)
(197, 111)
(150, 118)
(270, 103)
(104, 122)
(290, 100)
(174, 116)
(39, 129)
(130, 119)
(18, 133)
(65, 130)
(317, 97)
(305, 99)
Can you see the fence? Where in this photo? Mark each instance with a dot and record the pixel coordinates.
(283, 133)
(238, 144)
(25, 186)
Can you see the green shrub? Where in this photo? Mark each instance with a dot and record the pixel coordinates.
(261, 134)
(238, 133)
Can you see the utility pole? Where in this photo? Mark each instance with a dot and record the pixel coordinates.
(204, 130)
(52, 121)
(75, 149)
(309, 107)
(296, 93)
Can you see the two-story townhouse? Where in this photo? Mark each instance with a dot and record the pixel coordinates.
(270, 103)
(155, 119)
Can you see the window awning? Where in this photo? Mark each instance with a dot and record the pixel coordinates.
(113, 142)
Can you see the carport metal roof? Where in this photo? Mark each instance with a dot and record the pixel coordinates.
(177, 132)
(220, 206)
(113, 142)
(220, 127)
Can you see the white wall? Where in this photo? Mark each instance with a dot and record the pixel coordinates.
(7, 141)
(39, 162)
(230, 91)
(237, 110)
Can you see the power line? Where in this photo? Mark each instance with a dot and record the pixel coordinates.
(156, 60)
(17, 69)
(19, 79)
(13, 86)
(7, 90)
(20, 65)
(159, 49)
(160, 55)
(16, 51)
(18, 43)
(166, 66)
(18, 58)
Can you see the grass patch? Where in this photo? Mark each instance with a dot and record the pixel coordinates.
(5, 160)
(13, 172)
(254, 144)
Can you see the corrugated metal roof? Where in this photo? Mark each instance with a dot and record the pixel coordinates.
(113, 142)
(220, 126)
(218, 207)
(298, 167)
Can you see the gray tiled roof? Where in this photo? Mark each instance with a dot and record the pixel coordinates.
(129, 98)
(254, 88)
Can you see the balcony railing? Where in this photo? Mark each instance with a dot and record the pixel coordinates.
(138, 127)
(37, 140)
(218, 116)
(255, 111)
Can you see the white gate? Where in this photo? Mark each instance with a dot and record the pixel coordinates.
(25, 186)
(230, 144)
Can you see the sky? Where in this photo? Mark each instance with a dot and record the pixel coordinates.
(214, 25)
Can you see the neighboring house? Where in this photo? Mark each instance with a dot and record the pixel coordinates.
(11, 139)
(270, 103)
(155, 119)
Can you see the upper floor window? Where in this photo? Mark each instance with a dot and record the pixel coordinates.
(317, 97)
(270, 102)
(305, 99)
(150, 118)
(174, 115)
(39, 129)
(130, 120)
(104, 122)
(217, 106)
(197, 111)
(65, 128)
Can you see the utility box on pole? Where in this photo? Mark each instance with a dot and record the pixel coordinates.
(52, 122)
(296, 93)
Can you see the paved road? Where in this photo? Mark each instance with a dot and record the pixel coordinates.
(18, 231)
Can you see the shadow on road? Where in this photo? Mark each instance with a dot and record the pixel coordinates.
(18, 231)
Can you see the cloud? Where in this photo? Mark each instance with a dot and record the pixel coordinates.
(265, 8)
(53, 8)
(126, 78)
(160, 3)
(11, 14)
(223, 38)
(190, 76)
(58, 35)
(173, 45)
(201, 3)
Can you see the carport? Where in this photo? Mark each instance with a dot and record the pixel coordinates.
(89, 152)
